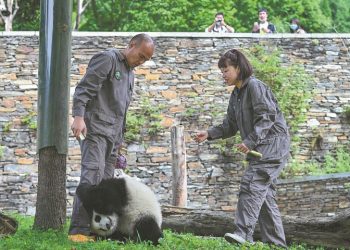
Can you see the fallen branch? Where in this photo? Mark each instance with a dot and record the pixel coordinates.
(330, 232)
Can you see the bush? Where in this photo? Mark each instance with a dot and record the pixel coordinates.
(147, 116)
(334, 162)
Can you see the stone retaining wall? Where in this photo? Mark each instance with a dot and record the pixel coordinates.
(182, 76)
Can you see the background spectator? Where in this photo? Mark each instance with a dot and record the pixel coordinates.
(295, 26)
(219, 25)
(263, 26)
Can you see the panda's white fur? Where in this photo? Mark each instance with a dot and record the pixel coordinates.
(142, 201)
(104, 225)
(132, 207)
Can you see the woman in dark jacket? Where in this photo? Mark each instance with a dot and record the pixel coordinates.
(254, 112)
(295, 26)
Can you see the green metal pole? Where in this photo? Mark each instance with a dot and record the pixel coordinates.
(54, 73)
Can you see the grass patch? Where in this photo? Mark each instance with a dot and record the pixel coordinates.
(27, 238)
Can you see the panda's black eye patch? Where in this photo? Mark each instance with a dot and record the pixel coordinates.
(97, 218)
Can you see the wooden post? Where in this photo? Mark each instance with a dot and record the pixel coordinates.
(179, 166)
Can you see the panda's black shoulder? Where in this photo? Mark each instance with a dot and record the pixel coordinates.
(115, 189)
(113, 183)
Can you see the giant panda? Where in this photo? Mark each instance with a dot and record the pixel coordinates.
(122, 208)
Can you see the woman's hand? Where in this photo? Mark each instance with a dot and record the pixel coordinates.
(243, 148)
(201, 136)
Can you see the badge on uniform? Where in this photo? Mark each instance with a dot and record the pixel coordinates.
(117, 75)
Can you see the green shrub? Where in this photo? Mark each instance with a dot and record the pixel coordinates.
(346, 112)
(338, 162)
(6, 127)
(147, 116)
(295, 168)
(30, 120)
(335, 162)
(227, 146)
(134, 123)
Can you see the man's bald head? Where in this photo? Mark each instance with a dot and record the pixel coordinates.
(139, 50)
(140, 38)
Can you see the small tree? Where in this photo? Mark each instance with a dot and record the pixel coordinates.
(8, 10)
(81, 7)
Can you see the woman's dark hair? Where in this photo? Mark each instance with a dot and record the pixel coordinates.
(295, 20)
(238, 60)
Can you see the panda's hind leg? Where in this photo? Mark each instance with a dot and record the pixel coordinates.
(147, 229)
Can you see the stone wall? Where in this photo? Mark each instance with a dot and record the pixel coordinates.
(182, 78)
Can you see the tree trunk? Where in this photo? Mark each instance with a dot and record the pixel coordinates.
(53, 97)
(51, 195)
(81, 7)
(8, 24)
(329, 232)
(77, 19)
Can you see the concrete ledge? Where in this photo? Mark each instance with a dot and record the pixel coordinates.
(187, 34)
(315, 178)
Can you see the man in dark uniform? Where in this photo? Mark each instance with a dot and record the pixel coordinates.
(100, 103)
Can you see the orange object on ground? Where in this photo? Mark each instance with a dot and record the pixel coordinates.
(81, 238)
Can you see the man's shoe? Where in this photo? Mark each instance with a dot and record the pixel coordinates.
(81, 238)
(234, 238)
